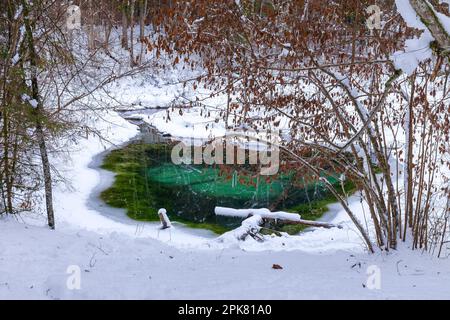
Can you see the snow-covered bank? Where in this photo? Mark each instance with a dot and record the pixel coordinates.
(77, 206)
(76, 202)
(34, 263)
(80, 207)
(122, 259)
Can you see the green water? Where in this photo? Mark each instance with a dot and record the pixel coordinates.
(147, 180)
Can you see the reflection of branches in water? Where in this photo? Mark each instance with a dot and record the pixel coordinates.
(192, 191)
(191, 168)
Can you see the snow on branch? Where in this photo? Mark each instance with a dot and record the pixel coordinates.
(263, 213)
(420, 14)
(255, 218)
(436, 22)
(249, 227)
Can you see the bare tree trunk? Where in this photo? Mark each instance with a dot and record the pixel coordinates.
(8, 168)
(143, 11)
(125, 24)
(46, 170)
(6, 164)
(444, 230)
(6, 174)
(132, 6)
(108, 25)
(408, 171)
(91, 31)
(37, 110)
(143, 4)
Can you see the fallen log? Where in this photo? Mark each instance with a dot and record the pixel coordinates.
(250, 227)
(263, 213)
(266, 214)
(316, 224)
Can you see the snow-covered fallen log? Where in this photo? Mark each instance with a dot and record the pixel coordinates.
(263, 213)
(250, 227)
(266, 214)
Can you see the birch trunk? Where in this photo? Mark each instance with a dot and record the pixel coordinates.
(37, 111)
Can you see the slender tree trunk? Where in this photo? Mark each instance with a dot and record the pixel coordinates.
(408, 171)
(132, 7)
(143, 4)
(143, 10)
(125, 24)
(38, 113)
(7, 171)
(47, 173)
(7, 174)
(91, 31)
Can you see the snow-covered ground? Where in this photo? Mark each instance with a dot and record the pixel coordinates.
(120, 259)
(34, 264)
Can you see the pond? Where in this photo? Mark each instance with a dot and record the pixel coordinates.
(146, 180)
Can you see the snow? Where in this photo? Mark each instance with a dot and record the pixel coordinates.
(444, 20)
(18, 12)
(33, 103)
(15, 59)
(165, 218)
(250, 225)
(36, 263)
(27, 98)
(263, 213)
(188, 123)
(416, 50)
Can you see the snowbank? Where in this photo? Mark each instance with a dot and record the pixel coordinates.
(36, 263)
